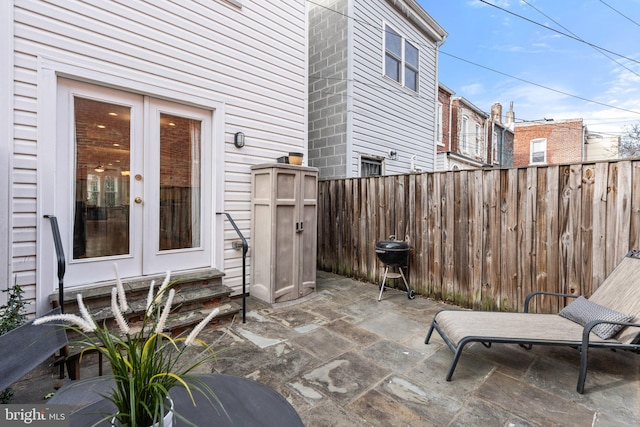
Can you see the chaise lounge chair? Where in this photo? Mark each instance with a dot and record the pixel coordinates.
(610, 318)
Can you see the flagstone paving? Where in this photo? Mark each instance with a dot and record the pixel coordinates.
(342, 358)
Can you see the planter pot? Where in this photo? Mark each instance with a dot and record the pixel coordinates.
(295, 158)
(167, 421)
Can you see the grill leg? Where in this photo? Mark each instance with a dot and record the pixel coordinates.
(384, 279)
(411, 294)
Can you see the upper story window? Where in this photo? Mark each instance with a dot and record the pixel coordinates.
(401, 59)
(494, 147)
(538, 150)
(478, 139)
(439, 124)
(464, 134)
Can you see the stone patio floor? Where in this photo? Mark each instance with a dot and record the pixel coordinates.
(342, 358)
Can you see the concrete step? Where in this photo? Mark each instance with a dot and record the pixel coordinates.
(197, 293)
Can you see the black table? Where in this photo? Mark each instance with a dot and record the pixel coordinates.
(247, 402)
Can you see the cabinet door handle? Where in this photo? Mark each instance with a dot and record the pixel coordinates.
(299, 227)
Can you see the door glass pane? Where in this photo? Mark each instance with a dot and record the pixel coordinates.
(179, 182)
(102, 165)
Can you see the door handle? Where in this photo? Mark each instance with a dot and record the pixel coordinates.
(138, 200)
(299, 227)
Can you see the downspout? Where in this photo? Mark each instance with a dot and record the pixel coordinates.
(435, 104)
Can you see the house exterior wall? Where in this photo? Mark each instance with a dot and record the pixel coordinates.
(387, 116)
(355, 111)
(328, 87)
(564, 141)
(476, 147)
(502, 156)
(601, 147)
(444, 98)
(247, 58)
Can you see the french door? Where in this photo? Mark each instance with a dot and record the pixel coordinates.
(133, 183)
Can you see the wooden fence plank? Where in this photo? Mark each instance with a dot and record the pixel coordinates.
(610, 230)
(586, 229)
(623, 211)
(509, 220)
(541, 241)
(448, 235)
(599, 224)
(634, 228)
(491, 240)
(475, 213)
(552, 237)
(435, 232)
(483, 239)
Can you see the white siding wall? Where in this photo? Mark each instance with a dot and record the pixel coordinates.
(251, 59)
(386, 115)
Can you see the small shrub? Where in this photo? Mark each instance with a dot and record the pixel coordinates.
(11, 316)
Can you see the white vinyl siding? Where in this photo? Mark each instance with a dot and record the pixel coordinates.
(385, 116)
(249, 61)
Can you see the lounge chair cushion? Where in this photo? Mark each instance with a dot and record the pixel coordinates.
(583, 311)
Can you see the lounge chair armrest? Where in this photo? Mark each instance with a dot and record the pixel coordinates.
(584, 348)
(533, 294)
(589, 326)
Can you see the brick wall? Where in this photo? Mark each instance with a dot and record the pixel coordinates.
(564, 141)
(444, 98)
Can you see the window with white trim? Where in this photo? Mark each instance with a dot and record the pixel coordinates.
(494, 147)
(439, 124)
(478, 139)
(538, 151)
(401, 59)
(464, 134)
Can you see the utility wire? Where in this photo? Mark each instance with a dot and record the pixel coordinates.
(618, 12)
(377, 27)
(560, 32)
(574, 34)
(540, 85)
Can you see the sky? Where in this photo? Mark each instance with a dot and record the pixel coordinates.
(507, 51)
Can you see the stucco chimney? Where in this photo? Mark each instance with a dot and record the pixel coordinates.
(496, 112)
(510, 117)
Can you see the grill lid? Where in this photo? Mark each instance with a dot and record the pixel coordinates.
(392, 245)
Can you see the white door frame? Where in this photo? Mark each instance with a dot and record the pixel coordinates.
(49, 70)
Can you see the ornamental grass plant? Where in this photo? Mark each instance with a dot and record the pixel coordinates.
(146, 362)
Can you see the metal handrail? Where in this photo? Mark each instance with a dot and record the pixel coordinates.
(57, 242)
(245, 248)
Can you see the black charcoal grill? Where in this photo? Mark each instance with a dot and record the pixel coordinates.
(393, 253)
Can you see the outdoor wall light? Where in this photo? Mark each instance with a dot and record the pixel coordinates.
(238, 140)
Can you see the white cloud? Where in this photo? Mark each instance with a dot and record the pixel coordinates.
(471, 90)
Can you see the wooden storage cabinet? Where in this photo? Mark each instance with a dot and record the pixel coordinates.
(283, 232)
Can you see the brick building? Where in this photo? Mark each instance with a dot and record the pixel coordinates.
(549, 142)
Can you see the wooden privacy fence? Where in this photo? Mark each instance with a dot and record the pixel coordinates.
(485, 238)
